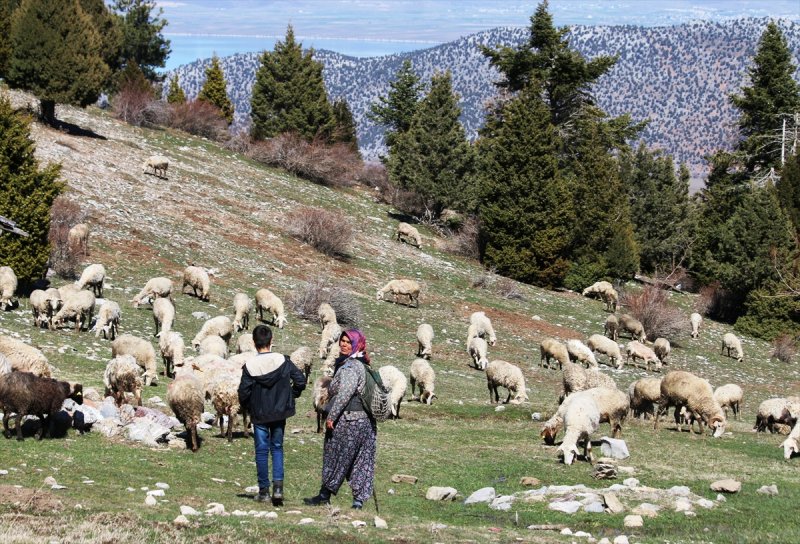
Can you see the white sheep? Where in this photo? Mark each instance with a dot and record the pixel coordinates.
(422, 374)
(78, 238)
(326, 314)
(633, 326)
(141, 350)
(158, 165)
(267, 301)
(606, 292)
(221, 326)
(777, 411)
(608, 347)
(8, 286)
(302, 359)
(662, 349)
(478, 351)
(123, 375)
(578, 351)
(396, 382)
(214, 344)
(792, 443)
(154, 288)
(171, 346)
(612, 403)
(78, 306)
(40, 307)
(680, 388)
(696, 320)
(730, 342)
(575, 378)
(66, 290)
(108, 318)
(729, 395)
(645, 396)
(224, 395)
(321, 398)
(483, 327)
(408, 289)
(636, 350)
(611, 327)
(424, 341)
(186, 398)
(552, 348)
(242, 306)
(329, 340)
(581, 420)
(197, 278)
(408, 234)
(22, 357)
(245, 343)
(93, 276)
(163, 315)
(501, 373)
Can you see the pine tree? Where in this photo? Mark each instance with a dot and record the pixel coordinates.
(345, 131)
(7, 8)
(175, 95)
(788, 187)
(215, 90)
(110, 29)
(396, 110)
(26, 195)
(142, 38)
(56, 55)
(433, 158)
(289, 94)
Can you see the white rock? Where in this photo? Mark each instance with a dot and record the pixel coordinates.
(88, 482)
(358, 523)
(162, 485)
(647, 509)
(441, 493)
(604, 540)
(181, 521)
(621, 539)
(78, 506)
(705, 503)
(631, 482)
(218, 480)
(3, 472)
(57, 486)
(215, 509)
(50, 481)
(305, 521)
(595, 507)
(129, 489)
(251, 489)
(156, 492)
(438, 526)
(633, 520)
(614, 448)
(768, 489)
(239, 513)
(679, 491)
(682, 505)
(189, 511)
(150, 500)
(568, 507)
(503, 503)
(485, 494)
(582, 534)
(721, 497)
(566, 531)
(271, 515)
(500, 408)
(380, 523)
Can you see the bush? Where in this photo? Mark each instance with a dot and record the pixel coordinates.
(784, 348)
(325, 231)
(719, 303)
(582, 274)
(64, 258)
(200, 118)
(305, 302)
(239, 142)
(768, 315)
(508, 288)
(465, 241)
(139, 107)
(659, 317)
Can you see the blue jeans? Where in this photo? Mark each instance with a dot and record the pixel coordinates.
(269, 440)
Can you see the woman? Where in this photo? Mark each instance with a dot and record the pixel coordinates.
(351, 435)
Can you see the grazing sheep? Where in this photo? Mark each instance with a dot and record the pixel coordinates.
(680, 388)
(696, 320)
(611, 327)
(636, 350)
(40, 307)
(78, 238)
(123, 375)
(93, 276)
(216, 326)
(154, 288)
(329, 340)
(552, 348)
(500, 373)
(662, 348)
(78, 306)
(631, 325)
(792, 443)
(8, 286)
(171, 346)
(408, 234)
(422, 373)
(477, 350)
(23, 357)
(777, 411)
(612, 403)
(302, 359)
(108, 318)
(606, 292)
(608, 347)
(186, 398)
(326, 314)
(729, 395)
(482, 327)
(24, 393)
(321, 398)
(66, 290)
(578, 351)
(581, 419)
(197, 278)
(730, 342)
(141, 350)
(163, 315)
(424, 341)
(401, 288)
(215, 345)
(396, 382)
(242, 306)
(245, 344)
(645, 397)
(267, 301)
(224, 395)
(576, 378)
(158, 165)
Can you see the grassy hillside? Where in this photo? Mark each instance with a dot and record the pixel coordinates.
(221, 211)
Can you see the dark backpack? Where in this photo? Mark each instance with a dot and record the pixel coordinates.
(375, 396)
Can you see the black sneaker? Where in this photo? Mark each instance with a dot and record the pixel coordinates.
(263, 495)
(322, 498)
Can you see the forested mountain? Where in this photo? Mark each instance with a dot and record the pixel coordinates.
(678, 77)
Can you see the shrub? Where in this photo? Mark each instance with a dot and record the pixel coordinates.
(784, 348)
(508, 288)
(658, 316)
(325, 231)
(305, 302)
(138, 106)
(582, 274)
(239, 142)
(64, 258)
(768, 315)
(200, 118)
(719, 303)
(465, 241)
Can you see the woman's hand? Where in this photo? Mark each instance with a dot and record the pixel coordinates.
(329, 424)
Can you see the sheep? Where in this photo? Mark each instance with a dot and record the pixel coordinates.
(123, 375)
(216, 326)
(93, 276)
(636, 350)
(241, 308)
(477, 350)
(329, 340)
(552, 348)
(78, 306)
(483, 327)
(224, 395)
(396, 382)
(171, 346)
(645, 397)
(576, 378)
(792, 443)
(186, 398)
(424, 341)
(8, 286)
(729, 395)
(501, 373)
(731, 342)
(154, 288)
(681, 388)
(612, 403)
(775, 411)
(696, 320)
(23, 357)
(608, 347)
(66, 290)
(245, 344)
(633, 326)
(326, 314)
(408, 234)
(78, 238)
(108, 318)
(611, 327)
(215, 345)
(141, 350)
(422, 373)
(158, 164)
(40, 307)
(662, 348)
(321, 398)
(581, 419)
(302, 359)
(24, 393)
(401, 288)
(606, 292)
(266, 300)
(578, 351)
(197, 278)
(163, 316)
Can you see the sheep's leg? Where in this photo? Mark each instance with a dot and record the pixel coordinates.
(397, 411)
(662, 410)
(6, 430)
(508, 399)
(319, 422)
(489, 386)
(137, 395)
(229, 434)
(155, 320)
(193, 437)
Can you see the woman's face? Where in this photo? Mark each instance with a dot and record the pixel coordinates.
(345, 346)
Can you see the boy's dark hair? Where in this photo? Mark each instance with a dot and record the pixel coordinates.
(262, 336)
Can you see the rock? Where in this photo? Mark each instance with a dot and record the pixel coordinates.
(207, 417)
(604, 471)
(726, 486)
(613, 503)
(90, 393)
(536, 416)
(305, 521)
(156, 492)
(486, 494)
(626, 470)
(358, 523)
(500, 408)
(566, 531)
(438, 526)
(181, 521)
(630, 482)
(768, 489)
(683, 505)
(705, 503)
(380, 523)
(215, 509)
(108, 427)
(632, 521)
(157, 416)
(218, 480)
(3, 472)
(441, 493)
(690, 514)
(503, 503)
(294, 512)
(529, 481)
(721, 497)
(621, 539)
(108, 409)
(201, 315)
(646, 509)
(404, 478)
(189, 511)
(150, 500)
(147, 431)
(90, 415)
(679, 491)
(604, 540)
(270, 515)
(568, 507)
(594, 508)
(614, 448)
(582, 534)
(50, 481)
(57, 486)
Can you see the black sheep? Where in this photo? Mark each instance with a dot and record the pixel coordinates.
(24, 393)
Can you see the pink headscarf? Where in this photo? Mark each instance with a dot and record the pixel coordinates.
(359, 342)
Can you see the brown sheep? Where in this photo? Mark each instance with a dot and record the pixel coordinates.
(24, 393)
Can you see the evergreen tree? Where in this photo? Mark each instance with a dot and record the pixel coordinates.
(26, 195)
(132, 78)
(345, 131)
(289, 94)
(433, 158)
(175, 95)
(7, 8)
(396, 110)
(215, 90)
(109, 27)
(56, 54)
(788, 187)
(142, 38)
(773, 93)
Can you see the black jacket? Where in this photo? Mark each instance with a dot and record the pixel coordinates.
(270, 383)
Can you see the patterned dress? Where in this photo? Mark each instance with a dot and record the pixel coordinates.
(350, 448)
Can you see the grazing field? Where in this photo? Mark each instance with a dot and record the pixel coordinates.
(223, 212)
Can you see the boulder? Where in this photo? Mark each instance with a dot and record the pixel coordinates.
(441, 493)
(632, 521)
(613, 504)
(404, 478)
(188, 511)
(486, 494)
(380, 523)
(181, 521)
(568, 507)
(646, 510)
(726, 486)
(502, 502)
(614, 448)
(768, 489)
(529, 481)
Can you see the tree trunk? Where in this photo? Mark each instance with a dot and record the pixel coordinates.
(48, 111)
